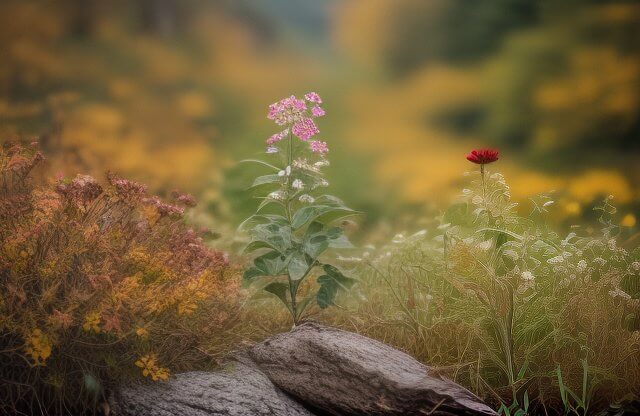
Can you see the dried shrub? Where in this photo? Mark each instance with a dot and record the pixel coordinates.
(100, 282)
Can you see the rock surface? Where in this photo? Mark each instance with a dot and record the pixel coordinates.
(238, 390)
(342, 373)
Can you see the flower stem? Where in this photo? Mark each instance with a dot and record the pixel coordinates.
(293, 287)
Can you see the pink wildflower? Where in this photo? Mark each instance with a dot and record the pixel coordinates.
(126, 189)
(319, 147)
(286, 111)
(186, 200)
(82, 189)
(305, 129)
(277, 137)
(317, 111)
(313, 98)
(164, 209)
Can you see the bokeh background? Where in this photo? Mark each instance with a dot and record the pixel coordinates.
(174, 92)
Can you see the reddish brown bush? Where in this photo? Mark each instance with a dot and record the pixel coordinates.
(98, 282)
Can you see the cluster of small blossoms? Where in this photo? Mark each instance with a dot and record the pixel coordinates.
(127, 190)
(305, 129)
(275, 138)
(298, 114)
(38, 347)
(164, 209)
(302, 163)
(186, 200)
(82, 189)
(319, 147)
(287, 111)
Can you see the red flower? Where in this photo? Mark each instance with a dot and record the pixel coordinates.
(483, 156)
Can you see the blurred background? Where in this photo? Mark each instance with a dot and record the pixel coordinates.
(173, 92)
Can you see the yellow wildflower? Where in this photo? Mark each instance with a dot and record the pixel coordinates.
(92, 322)
(38, 347)
(142, 332)
(151, 369)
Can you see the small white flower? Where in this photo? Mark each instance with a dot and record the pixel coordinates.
(306, 198)
(548, 203)
(272, 149)
(297, 184)
(323, 183)
(321, 163)
(275, 195)
(555, 260)
(527, 275)
(635, 265)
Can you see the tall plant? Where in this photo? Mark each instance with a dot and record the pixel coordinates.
(293, 226)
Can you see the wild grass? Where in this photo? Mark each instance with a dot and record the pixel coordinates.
(508, 307)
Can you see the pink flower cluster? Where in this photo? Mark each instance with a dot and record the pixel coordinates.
(319, 147)
(164, 209)
(292, 111)
(82, 189)
(277, 137)
(305, 129)
(288, 110)
(126, 189)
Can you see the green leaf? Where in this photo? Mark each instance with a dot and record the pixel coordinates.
(341, 241)
(333, 272)
(563, 393)
(261, 219)
(272, 263)
(523, 370)
(255, 245)
(272, 235)
(315, 212)
(260, 162)
(327, 292)
(314, 228)
(330, 283)
(281, 290)
(266, 179)
(268, 201)
(251, 273)
(298, 266)
(316, 245)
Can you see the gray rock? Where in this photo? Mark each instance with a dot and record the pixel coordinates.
(342, 373)
(240, 389)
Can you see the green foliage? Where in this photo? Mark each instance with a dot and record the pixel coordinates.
(293, 229)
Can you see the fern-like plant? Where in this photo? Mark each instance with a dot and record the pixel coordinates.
(293, 226)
